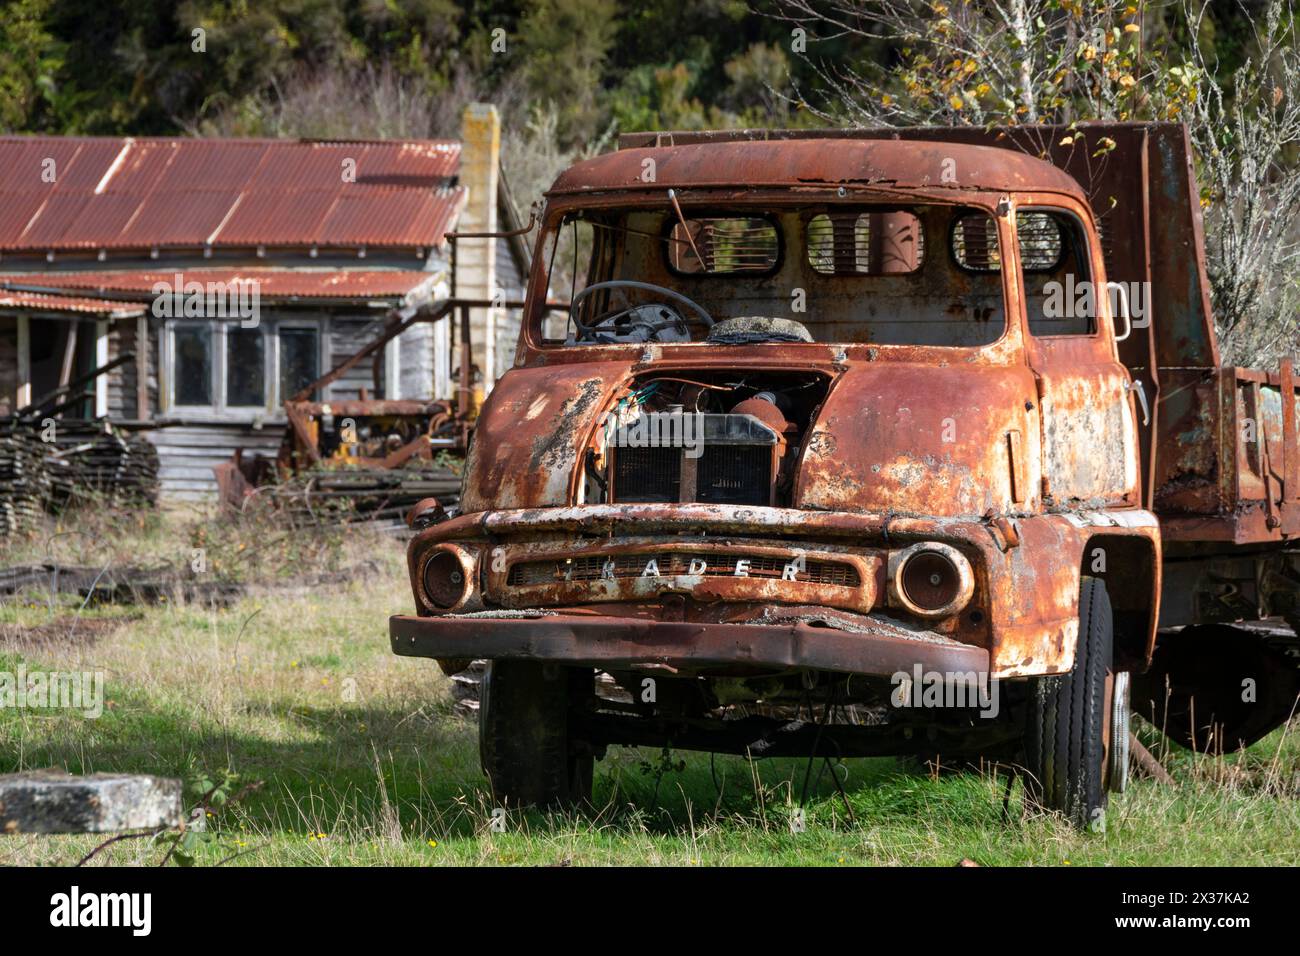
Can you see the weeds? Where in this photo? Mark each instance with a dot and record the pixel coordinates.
(348, 755)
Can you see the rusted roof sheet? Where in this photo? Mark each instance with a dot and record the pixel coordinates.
(815, 162)
(142, 194)
(283, 285)
(35, 302)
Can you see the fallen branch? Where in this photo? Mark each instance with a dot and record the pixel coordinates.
(117, 839)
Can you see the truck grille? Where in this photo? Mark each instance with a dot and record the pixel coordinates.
(730, 475)
(675, 563)
(729, 460)
(647, 474)
(726, 475)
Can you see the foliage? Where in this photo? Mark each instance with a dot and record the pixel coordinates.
(1247, 134)
(568, 74)
(1017, 62)
(29, 59)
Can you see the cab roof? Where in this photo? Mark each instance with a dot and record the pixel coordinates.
(816, 162)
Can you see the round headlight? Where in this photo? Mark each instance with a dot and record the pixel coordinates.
(930, 579)
(446, 577)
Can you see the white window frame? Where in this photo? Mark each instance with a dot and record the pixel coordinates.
(219, 410)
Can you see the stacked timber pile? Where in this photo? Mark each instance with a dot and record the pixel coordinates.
(119, 584)
(91, 459)
(372, 494)
(24, 486)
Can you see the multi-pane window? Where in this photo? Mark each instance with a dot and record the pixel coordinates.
(221, 367)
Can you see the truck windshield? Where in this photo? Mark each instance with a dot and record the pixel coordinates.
(915, 275)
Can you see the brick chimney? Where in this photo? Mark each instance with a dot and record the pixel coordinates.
(480, 159)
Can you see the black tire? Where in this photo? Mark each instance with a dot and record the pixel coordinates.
(1065, 740)
(526, 744)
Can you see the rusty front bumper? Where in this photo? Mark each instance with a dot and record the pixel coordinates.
(881, 648)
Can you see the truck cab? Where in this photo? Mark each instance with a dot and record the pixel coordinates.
(840, 426)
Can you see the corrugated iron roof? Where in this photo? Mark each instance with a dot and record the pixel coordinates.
(272, 284)
(109, 193)
(36, 302)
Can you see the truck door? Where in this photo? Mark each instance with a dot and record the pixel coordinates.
(1089, 441)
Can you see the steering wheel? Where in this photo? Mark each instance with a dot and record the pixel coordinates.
(589, 331)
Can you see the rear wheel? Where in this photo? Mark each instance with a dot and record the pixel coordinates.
(527, 746)
(1070, 723)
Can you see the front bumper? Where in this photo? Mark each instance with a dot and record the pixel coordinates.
(880, 647)
(1026, 569)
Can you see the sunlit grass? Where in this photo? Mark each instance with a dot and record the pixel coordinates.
(354, 756)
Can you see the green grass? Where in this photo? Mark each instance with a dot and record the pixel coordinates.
(354, 756)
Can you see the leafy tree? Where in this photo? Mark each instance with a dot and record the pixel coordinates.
(563, 45)
(30, 59)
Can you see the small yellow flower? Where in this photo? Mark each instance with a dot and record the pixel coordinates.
(956, 102)
(1131, 28)
(433, 843)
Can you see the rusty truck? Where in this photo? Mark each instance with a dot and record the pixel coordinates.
(837, 424)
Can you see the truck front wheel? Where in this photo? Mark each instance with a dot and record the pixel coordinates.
(526, 744)
(1069, 723)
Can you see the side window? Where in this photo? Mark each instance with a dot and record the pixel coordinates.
(1042, 242)
(1056, 274)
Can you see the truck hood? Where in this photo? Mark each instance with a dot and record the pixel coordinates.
(890, 437)
(926, 440)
